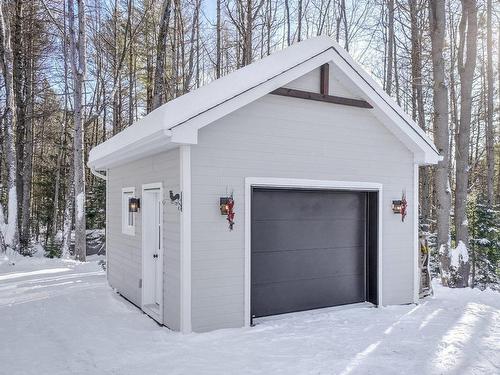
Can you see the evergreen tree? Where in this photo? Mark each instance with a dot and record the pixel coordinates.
(485, 243)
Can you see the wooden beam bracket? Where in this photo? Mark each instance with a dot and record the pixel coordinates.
(300, 94)
(324, 79)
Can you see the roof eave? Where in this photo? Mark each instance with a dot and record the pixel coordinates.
(101, 158)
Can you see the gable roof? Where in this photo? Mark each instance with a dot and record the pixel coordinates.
(178, 121)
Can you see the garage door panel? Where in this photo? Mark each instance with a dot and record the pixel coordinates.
(319, 205)
(279, 266)
(303, 234)
(308, 249)
(274, 298)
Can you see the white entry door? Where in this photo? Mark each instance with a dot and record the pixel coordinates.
(152, 251)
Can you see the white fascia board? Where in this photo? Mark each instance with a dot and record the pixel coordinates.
(184, 132)
(185, 240)
(391, 115)
(110, 155)
(145, 135)
(176, 122)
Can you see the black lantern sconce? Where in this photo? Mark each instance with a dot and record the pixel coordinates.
(134, 204)
(396, 206)
(400, 206)
(226, 205)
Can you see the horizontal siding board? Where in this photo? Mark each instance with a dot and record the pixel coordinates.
(124, 251)
(288, 138)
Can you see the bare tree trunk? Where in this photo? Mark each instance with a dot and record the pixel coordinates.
(159, 77)
(10, 233)
(57, 182)
(192, 46)
(62, 135)
(116, 93)
(19, 82)
(68, 208)
(490, 130)
(390, 46)
(149, 59)
(497, 199)
(441, 134)
(418, 109)
(288, 31)
(299, 22)
(396, 74)
(78, 68)
(251, 14)
(218, 66)
(247, 35)
(269, 23)
(175, 50)
(130, 66)
(346, 29)
(28, 154)
(467, 51)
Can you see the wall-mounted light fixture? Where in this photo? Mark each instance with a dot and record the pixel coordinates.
(400, 206)
(226, 205)
(396, 206)
(134, 204)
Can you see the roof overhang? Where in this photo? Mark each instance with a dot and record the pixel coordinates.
(178, 121)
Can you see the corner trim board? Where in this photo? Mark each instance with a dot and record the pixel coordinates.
(416, 247)
(185, 239)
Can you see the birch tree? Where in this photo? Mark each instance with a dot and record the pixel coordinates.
(10, 231)
(466, 64)
(441, 133)
(78, 69)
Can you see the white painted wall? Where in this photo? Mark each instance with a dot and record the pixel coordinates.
(124, 251)
(289, 138)
(311, 82)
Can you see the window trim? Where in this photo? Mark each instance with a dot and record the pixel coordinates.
(127, 229)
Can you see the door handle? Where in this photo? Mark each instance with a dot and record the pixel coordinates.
(155, 255)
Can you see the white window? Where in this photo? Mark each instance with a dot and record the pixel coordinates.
(128, 218)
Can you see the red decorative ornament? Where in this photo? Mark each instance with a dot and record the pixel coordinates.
(230, 212)
(404, 207)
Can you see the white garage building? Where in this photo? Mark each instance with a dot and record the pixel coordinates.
(308, 153)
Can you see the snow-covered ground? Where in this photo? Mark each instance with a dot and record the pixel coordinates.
(60, 317)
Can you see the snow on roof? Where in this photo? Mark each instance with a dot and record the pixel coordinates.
(178, 120)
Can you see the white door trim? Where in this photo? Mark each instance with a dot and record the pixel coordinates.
(152, 186)
(303, 183)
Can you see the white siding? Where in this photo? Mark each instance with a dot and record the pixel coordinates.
(289, 138)
(311, 82)
(124, 251)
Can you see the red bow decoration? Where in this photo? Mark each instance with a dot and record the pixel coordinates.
(230, 213)
(404, 207)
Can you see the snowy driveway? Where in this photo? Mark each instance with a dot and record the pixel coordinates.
(60, 317)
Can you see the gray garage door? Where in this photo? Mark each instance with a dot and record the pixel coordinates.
(308, 249)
